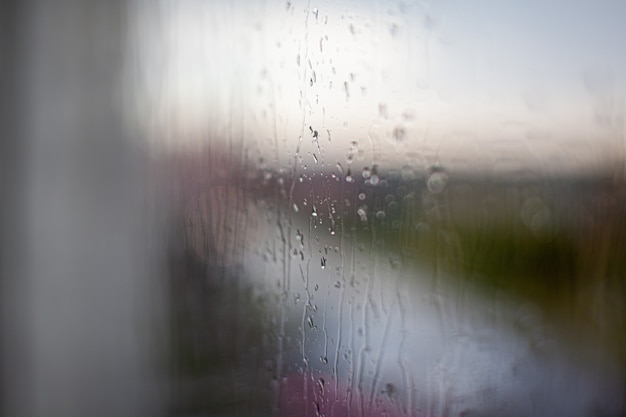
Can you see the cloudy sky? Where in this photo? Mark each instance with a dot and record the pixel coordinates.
(498, 84)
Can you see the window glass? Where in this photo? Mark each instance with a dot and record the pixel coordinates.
(389, 208)
(314, 208)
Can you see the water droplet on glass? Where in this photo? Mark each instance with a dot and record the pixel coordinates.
(314, 211)
(349, 179)
(362, 196)
(437, 181)
(399, 134)
(422, 227)
(390, 389)
(380, 215)
(407, 173)
(401, 191)
(362, 212)
(374, 180)
(366, 173)
(309, 321)
(315, 158)
(321, 381)
(323, 262)
(295, 207)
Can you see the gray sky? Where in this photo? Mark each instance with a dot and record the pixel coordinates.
(471, 84)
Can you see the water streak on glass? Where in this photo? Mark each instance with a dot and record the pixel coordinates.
(303, 208)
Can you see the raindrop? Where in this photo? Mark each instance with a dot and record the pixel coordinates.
(323, 262)
(366, 173)
(399, 134)
(437, 181)
(374, 180)
(309, 321)
(300, 237)
(541, 220)
(401, 191)
(395, 262)
(315, 158)
(407, 173)
(349, 179)
(390, 389)
(536, 215)
(295, 207)
(422, 227)
(362, 196)
(380, 215)
(314, 211)
(362, 212)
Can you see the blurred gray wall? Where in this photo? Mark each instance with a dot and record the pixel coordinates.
(81, 295)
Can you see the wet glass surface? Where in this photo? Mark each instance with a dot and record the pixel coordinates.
(274, 208)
